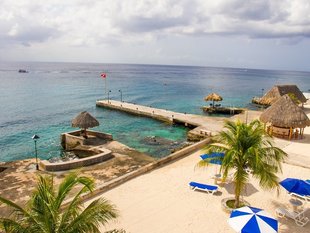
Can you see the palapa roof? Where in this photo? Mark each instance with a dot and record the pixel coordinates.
(279, 90)
(84, 120)
(213, 97)
(285, 113)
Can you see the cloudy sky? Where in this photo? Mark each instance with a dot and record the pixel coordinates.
(267, 34)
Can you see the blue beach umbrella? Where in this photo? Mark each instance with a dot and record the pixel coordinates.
(297, 186)
(252, 220)
(214, 157)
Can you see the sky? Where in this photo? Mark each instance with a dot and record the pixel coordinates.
(263, 34)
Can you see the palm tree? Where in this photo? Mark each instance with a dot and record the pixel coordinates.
(247, 146)
(46, 212)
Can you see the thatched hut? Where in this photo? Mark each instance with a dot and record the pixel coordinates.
(84, 121)
(285, 118)
(213, 97)
(279, 90)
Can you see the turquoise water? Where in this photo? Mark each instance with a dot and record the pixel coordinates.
(45, 100)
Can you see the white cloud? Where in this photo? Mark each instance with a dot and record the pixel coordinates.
(95, 22)
(116, 25)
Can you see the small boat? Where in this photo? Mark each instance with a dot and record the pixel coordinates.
(22, 71)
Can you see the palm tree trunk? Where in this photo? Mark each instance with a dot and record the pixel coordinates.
(237, 195)
(240, 182)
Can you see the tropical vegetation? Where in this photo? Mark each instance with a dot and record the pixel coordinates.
(246, 147)
(47, 212)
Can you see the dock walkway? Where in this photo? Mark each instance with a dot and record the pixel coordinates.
(202, 124)
(206, 126)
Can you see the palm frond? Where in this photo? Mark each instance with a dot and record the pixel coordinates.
(9, 225)
(98, 212)
(17, 210)
(116, 231)
(74, 207)
(43, 212)
(70, 181)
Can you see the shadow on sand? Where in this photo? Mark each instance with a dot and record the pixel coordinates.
(248, 190)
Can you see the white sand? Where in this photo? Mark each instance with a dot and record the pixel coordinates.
(161, 201)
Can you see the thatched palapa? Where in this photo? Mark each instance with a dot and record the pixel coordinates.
(213, 97)
(277, 91)
(284, 116)
(84, 121)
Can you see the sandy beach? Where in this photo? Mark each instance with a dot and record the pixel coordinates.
(161, 200)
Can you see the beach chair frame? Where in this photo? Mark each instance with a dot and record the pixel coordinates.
(304, 198)
(299, 217)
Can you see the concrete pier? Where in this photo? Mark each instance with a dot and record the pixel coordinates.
(202, 126)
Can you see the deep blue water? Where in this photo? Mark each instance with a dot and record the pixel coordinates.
(45, 100)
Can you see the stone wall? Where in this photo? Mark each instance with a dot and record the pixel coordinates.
(73, 139)
(72, 164)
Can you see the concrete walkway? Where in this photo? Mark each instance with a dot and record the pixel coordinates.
(212, 124)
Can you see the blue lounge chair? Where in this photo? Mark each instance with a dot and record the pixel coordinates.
(204, 187)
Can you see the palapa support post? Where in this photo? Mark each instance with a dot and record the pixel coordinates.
(291, 132)
(297, 133)
(84, 133)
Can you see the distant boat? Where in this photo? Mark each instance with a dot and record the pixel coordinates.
(22, 71)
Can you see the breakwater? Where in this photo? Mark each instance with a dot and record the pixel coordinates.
(202, 126)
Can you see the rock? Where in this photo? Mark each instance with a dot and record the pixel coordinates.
(194, 137)
(155, 140)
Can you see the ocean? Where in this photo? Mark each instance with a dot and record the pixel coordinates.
(46, 99)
